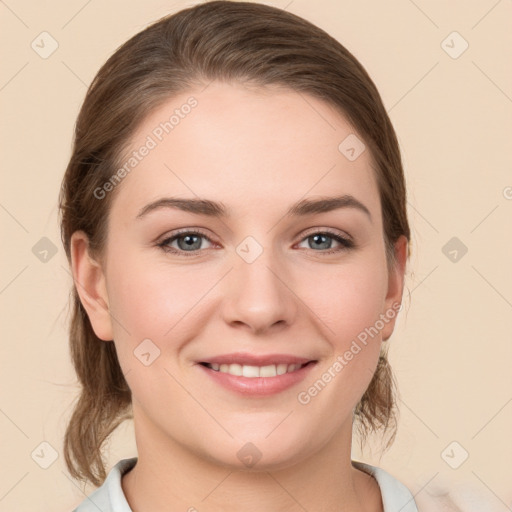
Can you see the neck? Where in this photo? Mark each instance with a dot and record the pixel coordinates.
(177, 479)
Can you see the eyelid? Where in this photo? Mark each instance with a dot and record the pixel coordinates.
(330, 231)
(184, 231)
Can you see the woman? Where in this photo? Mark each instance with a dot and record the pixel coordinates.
(234, 214)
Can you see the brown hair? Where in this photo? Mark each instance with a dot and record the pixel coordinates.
(247, 43)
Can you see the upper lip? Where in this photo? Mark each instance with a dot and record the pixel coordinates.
(256, 360)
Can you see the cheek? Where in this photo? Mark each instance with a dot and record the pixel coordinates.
(150, 304)
(349, 307)
(149, 298)
(348, 299)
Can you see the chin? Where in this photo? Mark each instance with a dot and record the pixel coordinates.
(261, 452)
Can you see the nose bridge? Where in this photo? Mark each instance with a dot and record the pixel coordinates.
(257, 295)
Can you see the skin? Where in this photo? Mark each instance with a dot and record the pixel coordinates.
(256, 152)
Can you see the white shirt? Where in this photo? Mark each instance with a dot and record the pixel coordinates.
(110, 496)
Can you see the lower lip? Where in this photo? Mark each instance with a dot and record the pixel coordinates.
(258, 386)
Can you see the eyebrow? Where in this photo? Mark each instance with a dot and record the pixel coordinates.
(215, 209)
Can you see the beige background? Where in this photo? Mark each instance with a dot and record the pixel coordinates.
(452, 349)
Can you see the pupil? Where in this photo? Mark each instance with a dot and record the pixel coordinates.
(320, 239)
(188, 241)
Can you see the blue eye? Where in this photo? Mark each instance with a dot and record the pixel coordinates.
(319, 239)
(189, 242)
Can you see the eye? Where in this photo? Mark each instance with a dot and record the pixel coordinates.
(323, 240)
(188, 241)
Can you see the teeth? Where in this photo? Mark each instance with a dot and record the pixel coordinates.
(270, 370)
(249, 371)
(281, 368)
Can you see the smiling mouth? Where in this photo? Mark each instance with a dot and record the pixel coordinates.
(242, 370)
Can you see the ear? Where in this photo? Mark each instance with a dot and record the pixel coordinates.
(395, 287)
(90, 284)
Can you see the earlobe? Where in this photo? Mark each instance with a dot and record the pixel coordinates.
(395, 287)
(89, 280)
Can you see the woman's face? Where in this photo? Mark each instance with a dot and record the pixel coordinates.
(265, 284)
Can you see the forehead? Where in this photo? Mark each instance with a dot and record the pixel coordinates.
(244, 147)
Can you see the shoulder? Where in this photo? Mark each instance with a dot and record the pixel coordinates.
(109, 497)
(395, 495)
(446, 495)
(451, 495)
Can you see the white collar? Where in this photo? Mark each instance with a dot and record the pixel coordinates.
(395, 495)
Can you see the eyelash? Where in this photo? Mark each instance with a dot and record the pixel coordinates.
(346, 243)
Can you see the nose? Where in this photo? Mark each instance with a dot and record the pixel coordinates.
(258, 295)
